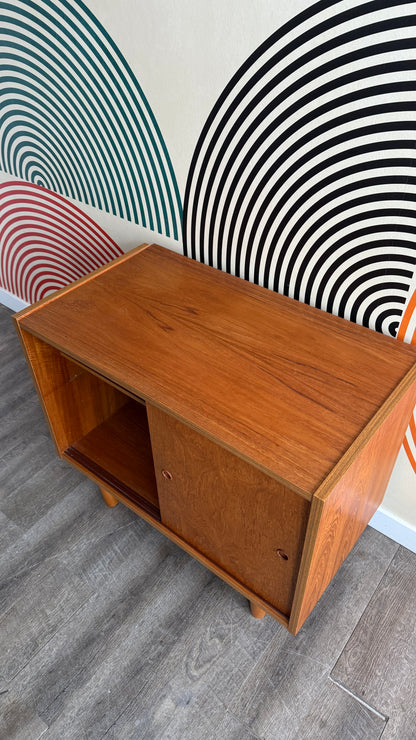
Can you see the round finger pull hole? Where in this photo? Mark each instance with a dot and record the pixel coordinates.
(282, 554)
(166, 474)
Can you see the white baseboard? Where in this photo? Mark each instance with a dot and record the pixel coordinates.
(11, 301)
(397, 529)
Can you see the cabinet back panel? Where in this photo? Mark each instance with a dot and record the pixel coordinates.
(244, 521)
(74, 400)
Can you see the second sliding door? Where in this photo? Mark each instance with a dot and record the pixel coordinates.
(245, 522)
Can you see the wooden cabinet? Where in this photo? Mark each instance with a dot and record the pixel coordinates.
(257, 433)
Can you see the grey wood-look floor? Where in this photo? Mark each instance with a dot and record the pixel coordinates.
(108, 630)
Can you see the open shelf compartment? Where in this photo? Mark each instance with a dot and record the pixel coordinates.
(96, 426)
(118, 453)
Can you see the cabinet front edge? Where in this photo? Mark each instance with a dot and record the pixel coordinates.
(305, 563)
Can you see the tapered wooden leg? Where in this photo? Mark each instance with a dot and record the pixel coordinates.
(256, 611)
(108, 497)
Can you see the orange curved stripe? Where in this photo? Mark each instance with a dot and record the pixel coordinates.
(409, 454)
(406, 319)
(412, 427)
(411, 308)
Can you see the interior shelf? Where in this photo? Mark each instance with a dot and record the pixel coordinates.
(118, 452)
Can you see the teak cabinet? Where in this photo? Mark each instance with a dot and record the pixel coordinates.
(256, 432)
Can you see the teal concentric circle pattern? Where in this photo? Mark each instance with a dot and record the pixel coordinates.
(74, 119)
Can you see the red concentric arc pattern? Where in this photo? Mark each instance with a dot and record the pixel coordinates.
(46, 242)
(407, 332)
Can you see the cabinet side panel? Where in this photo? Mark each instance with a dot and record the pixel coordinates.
(244, 521)
(337, 522)
(73, 400)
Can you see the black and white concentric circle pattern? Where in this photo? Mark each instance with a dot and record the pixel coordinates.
(304, 179)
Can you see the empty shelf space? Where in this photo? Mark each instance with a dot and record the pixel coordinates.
(118, 453)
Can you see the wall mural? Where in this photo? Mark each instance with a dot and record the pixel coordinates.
(409, 442)
(407, 332)
(74, 118)
(46, 242)
(303, 179)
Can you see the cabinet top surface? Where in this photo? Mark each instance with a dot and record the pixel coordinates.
(283, 384)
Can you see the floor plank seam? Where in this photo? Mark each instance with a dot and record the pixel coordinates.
(74, 676)
(123, 711)
(361, 701)
(364, 609)
(44, 644)
(384, 729)
(66, 553)
(27, 569)
(253, 668)
(308, 657)
(111, 532)
(245, 725)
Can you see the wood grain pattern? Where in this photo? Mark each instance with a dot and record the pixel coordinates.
(289, 681)
(282, 384)
(38, 493)
(244, 521)
(162, 648)
(79, 366)
(274, 420)
(406, 387)
(151, 516)
(74, 400)
(337, 714)
(378, 664)
(338, 520)
(18, 719)
(118, 453)
(50, 596)
(65, 673)
(138, 643)
(235, 583)
(216, 646)
(75, 284)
